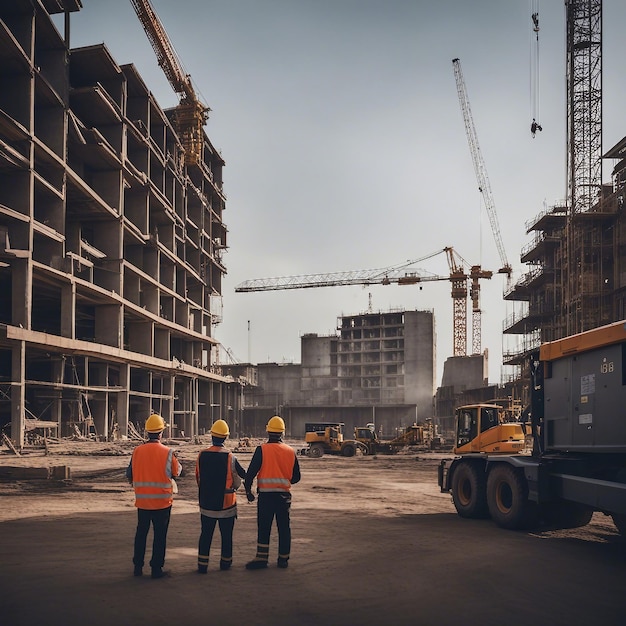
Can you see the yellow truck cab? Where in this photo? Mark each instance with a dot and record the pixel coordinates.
(481, 428)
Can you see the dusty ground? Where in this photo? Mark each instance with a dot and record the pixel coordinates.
(374, 542)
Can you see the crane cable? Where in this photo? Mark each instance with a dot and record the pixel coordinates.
(535, 126)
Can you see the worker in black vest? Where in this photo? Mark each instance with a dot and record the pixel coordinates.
(218, 474)
(276, 468)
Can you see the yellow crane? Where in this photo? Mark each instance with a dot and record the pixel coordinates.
(190, 114)
(480, 170)
(401, 274)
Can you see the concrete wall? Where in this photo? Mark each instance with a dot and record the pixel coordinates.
(420, 366)
(465, 372)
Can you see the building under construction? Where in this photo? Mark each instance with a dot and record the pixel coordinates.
(576, 278)
(111, 241)
(378, 368)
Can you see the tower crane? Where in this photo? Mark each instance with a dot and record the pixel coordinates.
(479, 167)
(190, 114)
(401, 274)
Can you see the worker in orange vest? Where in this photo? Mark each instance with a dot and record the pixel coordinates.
(151, 471)
(275, 466)
(218, 474)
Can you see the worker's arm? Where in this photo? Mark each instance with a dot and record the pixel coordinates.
(295, 477)
(253, 470)
(239, 469)
(177, 468)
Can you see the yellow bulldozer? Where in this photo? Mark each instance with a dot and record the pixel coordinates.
(327, 438)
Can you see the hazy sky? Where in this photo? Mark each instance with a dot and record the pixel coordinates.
(345, 146)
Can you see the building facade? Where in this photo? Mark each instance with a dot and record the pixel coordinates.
(378, 368)
(110, 245)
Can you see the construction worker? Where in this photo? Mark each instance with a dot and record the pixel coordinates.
(534, 127)
(218, 474)
(151, 471)
(275, 466)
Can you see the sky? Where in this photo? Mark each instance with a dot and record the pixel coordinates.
(345, 146)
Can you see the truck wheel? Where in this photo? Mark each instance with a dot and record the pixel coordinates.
(620, 523)
(507, 498)
(469, 490)
(316, 451)
(348, 450)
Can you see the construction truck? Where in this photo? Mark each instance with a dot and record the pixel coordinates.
(327, 438)
(577, 461)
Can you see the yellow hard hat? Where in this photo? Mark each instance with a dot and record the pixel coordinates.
(220, 429)
(155, 424)
(275, 425)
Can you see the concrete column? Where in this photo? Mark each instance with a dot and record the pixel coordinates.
(58, 369)
(194, 409)
(18, 393)
(122, 399)
(68, 311)
(22, 291)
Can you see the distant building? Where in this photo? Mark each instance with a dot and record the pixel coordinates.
(379, 367)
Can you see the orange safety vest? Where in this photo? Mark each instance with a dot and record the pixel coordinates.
(277, 467)
(211, 469)
(153, 466)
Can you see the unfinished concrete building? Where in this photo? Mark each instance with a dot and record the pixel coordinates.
(576, 278)
(110, 243)
(379, 367)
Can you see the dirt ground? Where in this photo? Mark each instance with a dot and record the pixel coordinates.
(374, 542)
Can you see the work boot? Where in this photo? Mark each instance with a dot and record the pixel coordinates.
(224, 565)
(138, 571)
(282, 562)
(256, 564)
(202, 569)
(159, 573)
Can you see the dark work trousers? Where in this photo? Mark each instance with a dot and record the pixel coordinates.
(273, 504)
(160, 520)
(226, 525)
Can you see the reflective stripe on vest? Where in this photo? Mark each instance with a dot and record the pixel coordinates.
(152, 476)
(277, 467)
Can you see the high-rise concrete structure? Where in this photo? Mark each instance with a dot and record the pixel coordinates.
(110, 245)
(379, 367)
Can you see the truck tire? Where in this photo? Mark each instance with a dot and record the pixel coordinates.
(469, 490)
(507, 498)
(316, 451)
(348, 450)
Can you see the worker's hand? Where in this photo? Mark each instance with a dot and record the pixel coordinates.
(250, 496)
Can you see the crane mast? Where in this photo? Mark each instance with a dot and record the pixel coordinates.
(479, 167)
(190, 114)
